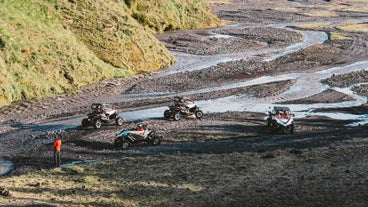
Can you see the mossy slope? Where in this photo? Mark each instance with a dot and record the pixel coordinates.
(40, 57)
(108, 30)
(163, 15)
(55, 46)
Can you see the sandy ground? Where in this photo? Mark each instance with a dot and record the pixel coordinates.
(323, 141)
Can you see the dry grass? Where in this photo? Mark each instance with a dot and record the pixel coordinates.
(231, 179)
(338, 36)
(220, 2)
(144, 181)
(147, 181)
(326, 10)
(287, 9)
(320, 13)
(356, 6)
(353, 27)
(363, 9)
(314, 26)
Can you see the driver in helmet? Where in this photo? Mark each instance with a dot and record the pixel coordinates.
(182, 103)
(285, 115)
(140, 128)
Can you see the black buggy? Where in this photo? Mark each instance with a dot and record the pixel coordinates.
(183, 107)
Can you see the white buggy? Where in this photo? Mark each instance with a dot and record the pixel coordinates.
(280, 118)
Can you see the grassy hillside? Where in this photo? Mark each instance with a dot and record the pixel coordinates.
(40, 57)
(55, 46)
(163, 15)
(108, 30)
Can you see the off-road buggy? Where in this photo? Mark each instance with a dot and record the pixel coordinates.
(138, 134)
(182, 107)
(102, 114)
(280, 118)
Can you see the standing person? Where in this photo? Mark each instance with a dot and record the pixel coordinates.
(57, 148)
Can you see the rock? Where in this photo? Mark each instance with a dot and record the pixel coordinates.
(38, 184)
(278, 152)
(4, 191)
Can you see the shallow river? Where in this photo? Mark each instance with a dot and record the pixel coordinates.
(307, 84)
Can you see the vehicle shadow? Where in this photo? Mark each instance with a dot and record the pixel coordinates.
(271, 142)
(43, 127)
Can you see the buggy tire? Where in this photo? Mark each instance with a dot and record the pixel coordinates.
(167, 114)
(177, 116)
(199, 114)
(268, 122)
(97, 124)
(155, 141)
(292, 129)
(125, 145)
(119, 121)
(85, 123)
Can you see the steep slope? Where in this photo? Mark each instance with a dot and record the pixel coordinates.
(55, 46)
(39, 57)
(164, 15)
(107, 29)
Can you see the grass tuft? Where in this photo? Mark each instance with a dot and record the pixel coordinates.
(338, 36)
(353, 27)
(74, 170)
(320, 13)
(314, 26)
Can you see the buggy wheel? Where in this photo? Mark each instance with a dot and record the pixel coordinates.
(97, 124)
(167, 114)
(177, 116)
(199, 114)
(292, 129)
(85, 123)
(125, 145)
(155, 141)
(268, 122)
(119, 121)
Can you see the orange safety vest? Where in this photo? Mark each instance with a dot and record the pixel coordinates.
(57, 145)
